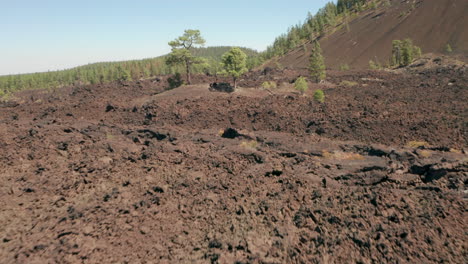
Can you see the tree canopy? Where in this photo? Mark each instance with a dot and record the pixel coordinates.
(234, 63)
(182, 51)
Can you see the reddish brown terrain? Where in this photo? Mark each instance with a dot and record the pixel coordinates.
(431, 24)
(131, 173)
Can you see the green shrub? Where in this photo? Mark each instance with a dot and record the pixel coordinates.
(278, 65)
(374, 65)
(4, 95)
(319, 96)
(269, 85)
(175, 81)
(301, 84)
(344, 67)
(448, 48)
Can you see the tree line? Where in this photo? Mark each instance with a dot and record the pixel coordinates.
(118, 71)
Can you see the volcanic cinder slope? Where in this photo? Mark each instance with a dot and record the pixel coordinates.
(431, 24)
(131, 173)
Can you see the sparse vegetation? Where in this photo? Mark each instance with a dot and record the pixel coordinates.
(317, 64)
(234, 64)
(278, 65)
(249, 144)
(4, 96)
(374, 65)
(344, 67)
(404, 52)
(425, 153)
(269, 85)
(316, 25)
(301, 84)
(340, 155)
(319, 96)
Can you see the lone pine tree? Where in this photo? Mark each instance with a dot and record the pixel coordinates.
(182, 51)
(317, 64)
(234, 63)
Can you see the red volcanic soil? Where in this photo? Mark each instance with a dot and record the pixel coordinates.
(431, 24)
(131, 173)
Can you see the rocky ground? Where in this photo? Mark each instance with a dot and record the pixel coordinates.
(132, 173)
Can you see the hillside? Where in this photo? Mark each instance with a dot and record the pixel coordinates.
(431, 24)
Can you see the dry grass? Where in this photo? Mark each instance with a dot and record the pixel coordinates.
(340, 155)
(269, 85)
(456, 151)
(249, 144)
(425, 153)
(349, 83)
(417, 144)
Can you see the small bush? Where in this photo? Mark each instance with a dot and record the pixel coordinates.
(301, 84)
(319, 96)
(448, 49)
(278, 66)
(249, 144)
(344, 67)
(175, 81)
(269, 85)
(4, 95)
(374, 65)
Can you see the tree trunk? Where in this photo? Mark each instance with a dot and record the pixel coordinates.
(235, 82)
(187, 67)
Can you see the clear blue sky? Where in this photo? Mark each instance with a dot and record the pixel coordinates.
(51, 34)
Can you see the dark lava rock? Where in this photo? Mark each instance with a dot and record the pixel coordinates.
(221, 87)
(230, 133)
(109, 108)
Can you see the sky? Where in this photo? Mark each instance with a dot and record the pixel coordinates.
(45, 35)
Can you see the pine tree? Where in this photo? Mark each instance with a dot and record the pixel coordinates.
(319, 96)
(301, 84)
(404, 52)
(317, 64)
(234, 63)
(182, 50)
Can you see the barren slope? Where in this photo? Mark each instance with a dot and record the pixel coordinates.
(431, 24)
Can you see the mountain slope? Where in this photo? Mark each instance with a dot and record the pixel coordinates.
(431, 24)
